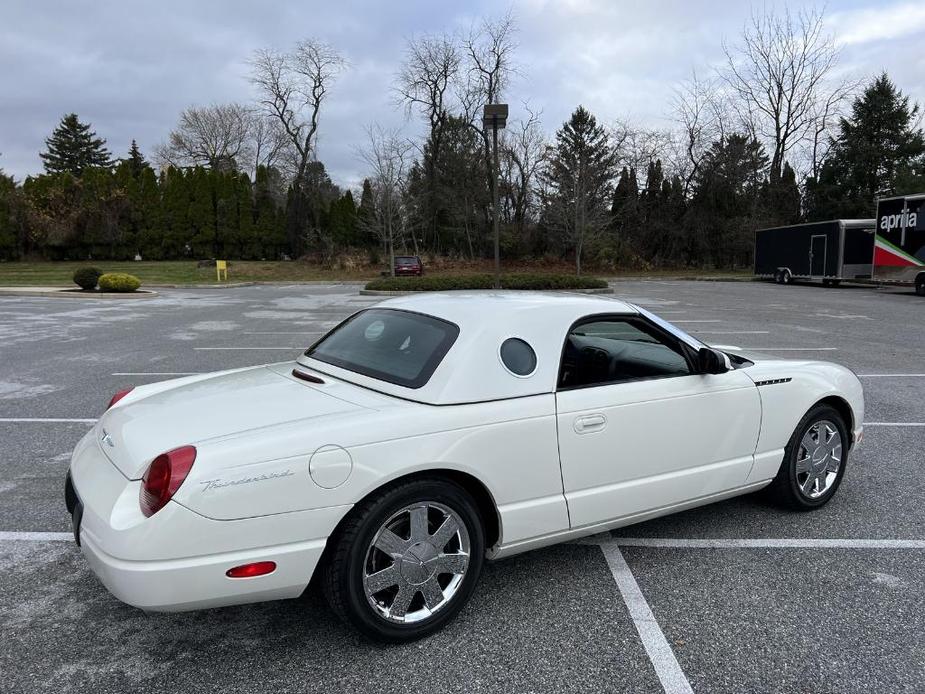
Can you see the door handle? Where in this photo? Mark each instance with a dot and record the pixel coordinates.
(590, 423)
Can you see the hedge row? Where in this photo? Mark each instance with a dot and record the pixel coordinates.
(517, 281)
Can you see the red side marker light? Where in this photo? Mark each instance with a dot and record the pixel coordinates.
(258, 568)
(119, 395)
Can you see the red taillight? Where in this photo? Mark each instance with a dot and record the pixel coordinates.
(119, 395)
(163, 478)
(258, 568)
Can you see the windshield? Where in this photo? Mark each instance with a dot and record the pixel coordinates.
(395, 346)
(668, 327)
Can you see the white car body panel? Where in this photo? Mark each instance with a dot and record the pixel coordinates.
(655, 443)
(281, 461)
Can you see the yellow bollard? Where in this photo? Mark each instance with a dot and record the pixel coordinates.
(220, 267)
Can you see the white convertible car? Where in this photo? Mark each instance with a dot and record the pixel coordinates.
(424, 435)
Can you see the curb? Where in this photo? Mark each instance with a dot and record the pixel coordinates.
(77, 294)
(396, 292)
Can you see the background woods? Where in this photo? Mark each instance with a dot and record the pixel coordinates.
(777, 135)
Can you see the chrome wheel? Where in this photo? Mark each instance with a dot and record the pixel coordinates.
(818, 459)
(416, 562)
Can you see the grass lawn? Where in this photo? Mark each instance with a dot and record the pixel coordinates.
(152, 273)
(176, 272)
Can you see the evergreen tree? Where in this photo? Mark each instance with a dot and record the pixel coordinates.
(10, 218)
(726, 206)
(135, 160)
(579, 176)
(73, 147)
(878, 148)
(784, 198)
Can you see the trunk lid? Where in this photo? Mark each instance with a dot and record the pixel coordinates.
(133, 433)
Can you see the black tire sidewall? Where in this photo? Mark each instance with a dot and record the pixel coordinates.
(350, 574)
(797, 499)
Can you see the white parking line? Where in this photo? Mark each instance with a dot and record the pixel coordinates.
(157, 373)
(732, 332)
(792, 349)
(46, 419)
(36, 537)
(765, 543)
(653, 639)
(894, 424)
(224, 349)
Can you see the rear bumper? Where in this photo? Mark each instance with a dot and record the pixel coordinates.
(199, 582)
(176, 560)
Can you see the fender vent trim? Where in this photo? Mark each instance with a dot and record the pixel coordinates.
(772, 381)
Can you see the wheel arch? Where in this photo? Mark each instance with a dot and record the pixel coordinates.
(843, 408)
(484, 500)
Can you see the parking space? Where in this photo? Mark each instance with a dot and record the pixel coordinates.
(774, 612)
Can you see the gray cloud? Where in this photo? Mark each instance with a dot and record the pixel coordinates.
(130, 68)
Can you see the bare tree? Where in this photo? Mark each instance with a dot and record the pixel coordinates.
(216, 136)
(292, 87)
(489, 50)
(778, 73)
(700, 116)
(424, 83)
(522, 146)
(387, 154)
(826, 113)
(268, 140)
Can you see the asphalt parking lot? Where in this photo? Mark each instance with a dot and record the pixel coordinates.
(734, 597)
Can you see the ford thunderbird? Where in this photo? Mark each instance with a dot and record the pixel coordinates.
(430, 433)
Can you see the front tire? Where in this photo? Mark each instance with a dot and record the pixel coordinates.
(406, 560)
(814, 461)
(920, 285)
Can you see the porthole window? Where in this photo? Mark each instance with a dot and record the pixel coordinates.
(518, 357)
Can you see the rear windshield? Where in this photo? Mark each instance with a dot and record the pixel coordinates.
(406, 261)
(395, 346)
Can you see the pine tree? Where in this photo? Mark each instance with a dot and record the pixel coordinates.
(73, 147)
(878, 148)
(135, 160)
(579, 179)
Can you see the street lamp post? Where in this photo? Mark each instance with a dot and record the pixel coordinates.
(495, 116)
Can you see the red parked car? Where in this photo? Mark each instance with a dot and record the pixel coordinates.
(408, 265)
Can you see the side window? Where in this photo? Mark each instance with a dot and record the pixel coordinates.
(612, 350)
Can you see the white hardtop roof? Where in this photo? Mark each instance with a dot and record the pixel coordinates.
(472, 370)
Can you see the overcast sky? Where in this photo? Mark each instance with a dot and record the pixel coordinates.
(130, 67)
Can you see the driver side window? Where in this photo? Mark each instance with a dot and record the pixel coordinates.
(615, 350)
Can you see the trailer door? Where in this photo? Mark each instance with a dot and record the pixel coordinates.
(817, 251)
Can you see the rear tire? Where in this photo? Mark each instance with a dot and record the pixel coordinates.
(786, 277)
(384, 573)
(814, 461)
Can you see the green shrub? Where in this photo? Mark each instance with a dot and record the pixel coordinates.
(119, 282)
(437, 283)
(87, 277)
